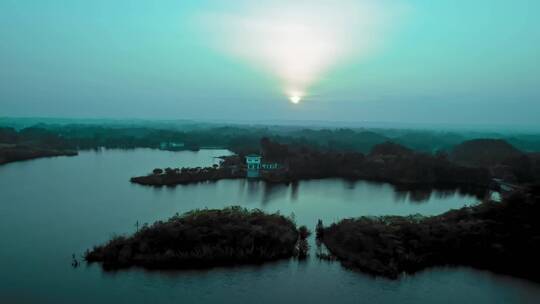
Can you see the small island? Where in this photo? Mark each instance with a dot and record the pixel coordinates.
(229, 169)
(205, 238)
(499, 236)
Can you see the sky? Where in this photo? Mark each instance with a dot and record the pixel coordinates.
(398, 61)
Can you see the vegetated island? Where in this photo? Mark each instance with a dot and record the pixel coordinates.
(387, 162)
(230, 168)
(206, 238)
(502, 237)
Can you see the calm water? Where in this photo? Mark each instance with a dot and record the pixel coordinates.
(51, 208)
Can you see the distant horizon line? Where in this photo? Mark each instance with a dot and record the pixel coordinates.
(295, 122)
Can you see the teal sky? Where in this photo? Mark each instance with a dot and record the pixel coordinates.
(444, 61)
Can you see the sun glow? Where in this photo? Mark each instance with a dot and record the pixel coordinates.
(299, 42)
(295, 99)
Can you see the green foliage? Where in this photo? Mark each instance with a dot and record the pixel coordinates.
(502, 237)
(484, 152)
(309, 153)
(304, 233)
(319, 230)
(203, 238)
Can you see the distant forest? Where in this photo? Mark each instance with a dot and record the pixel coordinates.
(239, 137)
(515, 157)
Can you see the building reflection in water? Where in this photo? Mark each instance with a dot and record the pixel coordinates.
(294, 191)
(272, 191)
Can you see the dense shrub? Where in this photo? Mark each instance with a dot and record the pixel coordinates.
(503, 237)
(203, 238)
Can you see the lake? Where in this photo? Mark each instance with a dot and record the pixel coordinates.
(51, 208)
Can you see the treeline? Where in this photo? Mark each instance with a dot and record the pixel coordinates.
(84, 137)
(503, 160)
(33, 137)
(31, 143)
(243, 139)
(386, 162)
(473, 163)
(503, 237)
(334, 149)
(178, 176)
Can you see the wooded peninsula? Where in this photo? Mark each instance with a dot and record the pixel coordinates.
(499, 236)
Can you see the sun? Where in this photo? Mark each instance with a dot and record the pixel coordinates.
(295, 99)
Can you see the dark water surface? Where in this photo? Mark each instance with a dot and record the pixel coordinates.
(51, 208)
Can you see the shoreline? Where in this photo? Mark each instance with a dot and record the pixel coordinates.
(210, 174)
(19, 154)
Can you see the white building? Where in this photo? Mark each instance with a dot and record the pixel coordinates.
(269, 166)
(253, 162)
